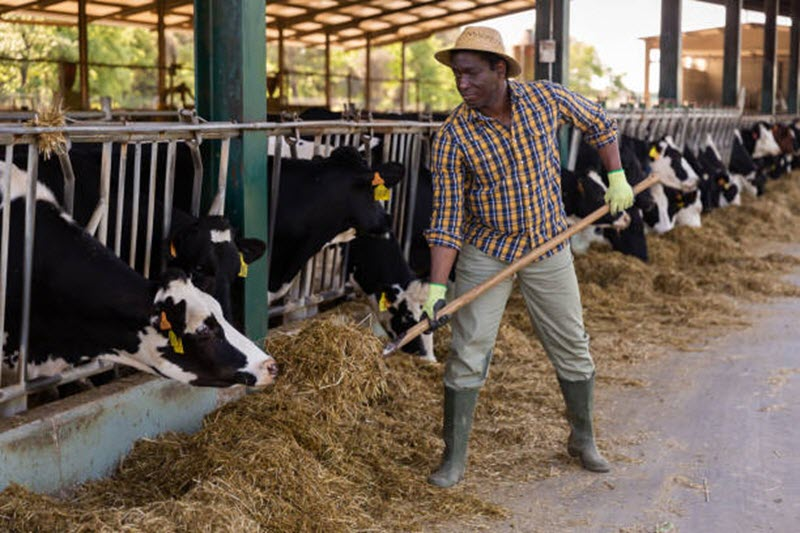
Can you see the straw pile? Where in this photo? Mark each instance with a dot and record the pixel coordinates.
(50, 116)
(344, 440)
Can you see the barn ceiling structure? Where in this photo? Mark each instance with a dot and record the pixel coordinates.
(349, 24)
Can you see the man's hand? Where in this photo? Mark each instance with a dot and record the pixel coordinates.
(435, 302)
(619, 195)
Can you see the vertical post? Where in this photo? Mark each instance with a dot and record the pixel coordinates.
(794, 57)
(230, 56)
(544, 17)
(670, 66)
(561, 36)
(161, 8)
(647, 49)
(368, 76)
(732, 59)
(327, 70)
(83, 53)
(769, 71)
(403, 77)
(283, 98)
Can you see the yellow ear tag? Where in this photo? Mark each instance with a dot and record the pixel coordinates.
(382, 193)
(164, 324)
(654, 154)
(172, 252)
(175, 342)
(383, 303)
(242, 266)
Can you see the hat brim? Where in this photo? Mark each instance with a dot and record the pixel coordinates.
(445, 57)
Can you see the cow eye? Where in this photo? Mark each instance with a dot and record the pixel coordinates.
(203, 330)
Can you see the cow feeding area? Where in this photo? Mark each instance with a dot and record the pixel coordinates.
(345, 439)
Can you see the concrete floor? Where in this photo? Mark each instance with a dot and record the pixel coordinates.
(709, 445)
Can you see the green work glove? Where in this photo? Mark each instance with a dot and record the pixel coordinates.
(435, 302)
(619, 195)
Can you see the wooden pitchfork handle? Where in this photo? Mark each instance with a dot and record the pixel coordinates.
(423, 325)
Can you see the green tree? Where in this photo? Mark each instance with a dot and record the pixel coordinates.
(588, 75)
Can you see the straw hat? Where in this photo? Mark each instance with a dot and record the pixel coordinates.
(479, 39)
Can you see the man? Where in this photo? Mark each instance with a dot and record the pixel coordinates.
(497, 195)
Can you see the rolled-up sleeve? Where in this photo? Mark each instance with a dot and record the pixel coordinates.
(448, 177)
(589, 117)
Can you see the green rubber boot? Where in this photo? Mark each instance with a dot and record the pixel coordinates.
(578, 395)
(459, 406)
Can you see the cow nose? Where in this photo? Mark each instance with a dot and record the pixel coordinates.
(271, 367)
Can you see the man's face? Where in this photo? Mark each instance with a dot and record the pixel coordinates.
(476, 82)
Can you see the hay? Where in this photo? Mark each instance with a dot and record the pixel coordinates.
(52, 116)
(344, 440)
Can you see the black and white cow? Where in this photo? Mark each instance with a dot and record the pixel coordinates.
(87, 304)
(760, 143)
(319, 199)
(378, 268)
(207, 248)
(744, 172)
(676, 194)
(583, 191)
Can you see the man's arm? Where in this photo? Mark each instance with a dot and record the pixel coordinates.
(442, 260)
(609, 155)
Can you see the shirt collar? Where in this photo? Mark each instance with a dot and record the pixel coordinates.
(514, 92)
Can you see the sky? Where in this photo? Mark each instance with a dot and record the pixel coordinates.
(615, 30)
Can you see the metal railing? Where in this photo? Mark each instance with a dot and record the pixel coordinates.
(324, 277)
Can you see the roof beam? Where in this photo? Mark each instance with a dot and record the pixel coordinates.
(311, 13)
(140, 9)
(35, 3)
(425, 33)
(356, 21)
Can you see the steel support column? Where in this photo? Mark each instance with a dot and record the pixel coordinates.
(794, 57)
(368, 76)
(561, 36)
(230, 67)
(732, 57)
(770, 64)
(544, 27)
(669, 87)
(161, 9)
(83, 53)
(327, 71)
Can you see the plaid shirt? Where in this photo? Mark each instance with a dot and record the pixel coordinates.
(500, 190)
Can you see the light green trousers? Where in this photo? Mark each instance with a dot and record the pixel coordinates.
(550, 289)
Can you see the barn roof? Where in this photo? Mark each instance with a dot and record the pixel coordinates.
(348, 22)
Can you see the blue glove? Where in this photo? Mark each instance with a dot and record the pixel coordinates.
(435, 302)
(619, 195)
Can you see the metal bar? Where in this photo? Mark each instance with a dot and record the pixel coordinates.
(169, 187)
(137, 181)
(222, 176)
(197, 184)
(27, 280)
(69, 180)
(4, 244)
(123, 164)
(151, 202)
(105, 190)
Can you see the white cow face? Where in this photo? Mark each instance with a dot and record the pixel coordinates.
(672, 168)
(189, 340)
(765, 143)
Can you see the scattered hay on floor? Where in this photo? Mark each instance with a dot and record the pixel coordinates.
(345, 438)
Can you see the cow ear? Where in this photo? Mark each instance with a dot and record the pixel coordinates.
(391, 173)
(169, 315)
(251, 249)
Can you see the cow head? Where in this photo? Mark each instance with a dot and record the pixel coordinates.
(213, 256)
(400, 308)
(761, 141)
(188, 339)
(367, 187)
(671, 167)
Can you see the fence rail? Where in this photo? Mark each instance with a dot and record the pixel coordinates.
(324, 277)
